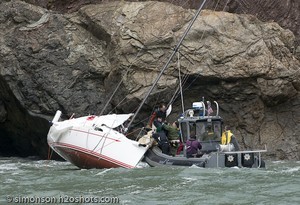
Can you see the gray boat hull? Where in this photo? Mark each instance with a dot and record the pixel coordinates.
(250, 159)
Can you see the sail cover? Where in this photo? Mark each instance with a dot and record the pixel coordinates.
(113, 120)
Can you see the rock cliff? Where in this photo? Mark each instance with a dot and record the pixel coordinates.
(73, 62)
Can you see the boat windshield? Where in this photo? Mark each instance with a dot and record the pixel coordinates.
(205, 130)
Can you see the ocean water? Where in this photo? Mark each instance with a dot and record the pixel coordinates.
(29, 181)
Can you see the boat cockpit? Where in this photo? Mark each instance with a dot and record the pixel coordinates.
(207, 127)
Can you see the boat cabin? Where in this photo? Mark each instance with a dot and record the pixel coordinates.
(207, 128)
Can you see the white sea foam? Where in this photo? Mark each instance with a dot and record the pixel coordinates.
(292, 170)
(103, 172)
(9, 166)
(142, 165)
(235, 167)
(195, 166)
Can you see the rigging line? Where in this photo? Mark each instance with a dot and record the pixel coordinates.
(105, 137)
(214, 11)
(107, 103)
(120, 103)
(186, 76)
(153, 109)
(192, 82)
(167, 14)
(136, 57)
(189, 60)
(242, 6)
(177, 91)
(169, 61)
(200, 40)
(98, 143)
(216, 5)
(174, 96)
(130, 133)
(225, 5)
(184, 4)
(155, 104)
(179, 75)
(113, 94)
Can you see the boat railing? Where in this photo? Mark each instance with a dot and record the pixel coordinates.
(217, 106)
(247, 152)
(203, 109)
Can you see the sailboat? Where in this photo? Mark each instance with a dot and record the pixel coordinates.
(97, 141)
(100, 141)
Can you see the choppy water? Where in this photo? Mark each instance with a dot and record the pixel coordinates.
(30, 181)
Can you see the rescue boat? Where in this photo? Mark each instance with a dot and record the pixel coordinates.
(208, 129)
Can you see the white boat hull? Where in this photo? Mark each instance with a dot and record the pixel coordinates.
(86, 144)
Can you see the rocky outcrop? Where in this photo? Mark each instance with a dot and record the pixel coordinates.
(284, 12)
(73, 62)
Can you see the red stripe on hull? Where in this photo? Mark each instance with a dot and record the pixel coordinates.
(84, 160)
(90, 153)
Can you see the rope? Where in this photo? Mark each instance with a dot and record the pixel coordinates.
(105, 137)
(180, 85)
(112, 95)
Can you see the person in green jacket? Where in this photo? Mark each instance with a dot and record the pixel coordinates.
(173, 134)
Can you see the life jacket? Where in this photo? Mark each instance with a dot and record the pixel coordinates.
(226, 137)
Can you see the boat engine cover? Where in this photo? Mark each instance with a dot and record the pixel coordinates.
(231, 160)
(247, 159)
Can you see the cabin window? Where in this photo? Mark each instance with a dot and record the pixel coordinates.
(217, 129)
(200, 130)
(206, 131)
(192, 129)
(184, 131)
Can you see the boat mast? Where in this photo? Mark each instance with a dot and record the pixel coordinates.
(168, 62)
